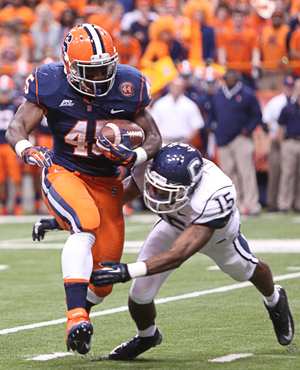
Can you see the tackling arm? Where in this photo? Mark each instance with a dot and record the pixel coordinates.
(189, 242)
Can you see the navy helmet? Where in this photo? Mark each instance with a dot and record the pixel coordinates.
(173, 175)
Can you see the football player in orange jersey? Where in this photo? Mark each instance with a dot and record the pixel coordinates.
(81, 181)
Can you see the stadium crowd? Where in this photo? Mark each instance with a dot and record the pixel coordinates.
(195, 40)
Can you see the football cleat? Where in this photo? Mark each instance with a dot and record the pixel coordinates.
(135, 346)
(79, 331)
(282, 318)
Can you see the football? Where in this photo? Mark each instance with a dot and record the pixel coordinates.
(112, 131)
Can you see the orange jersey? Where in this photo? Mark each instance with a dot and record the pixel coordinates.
(125, 53)
(295, 7)
(239, 46)
(273, 44)
(256, 22)
(24, 13)
(295, 44)
(220, 27)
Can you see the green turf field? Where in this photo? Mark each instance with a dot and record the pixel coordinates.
(197, 328)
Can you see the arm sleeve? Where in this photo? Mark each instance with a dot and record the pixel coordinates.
(254, 113)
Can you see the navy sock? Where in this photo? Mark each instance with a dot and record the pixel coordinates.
(76, 295)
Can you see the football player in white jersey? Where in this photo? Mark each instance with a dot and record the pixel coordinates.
(196, 203)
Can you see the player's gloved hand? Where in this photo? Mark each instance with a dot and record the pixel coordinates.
(112, 272)
(39, 155)
(121, 155)
(42, 226)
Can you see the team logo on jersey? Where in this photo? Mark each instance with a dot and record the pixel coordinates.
(127, 89)
(238, 98)
(66, 103)
(89, 108)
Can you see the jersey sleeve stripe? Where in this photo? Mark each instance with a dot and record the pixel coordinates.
(141, 93)
(37, 87)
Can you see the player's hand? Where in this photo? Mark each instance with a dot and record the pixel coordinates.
(112, 272)
(42, 226)
(39, 155)
(121, 155)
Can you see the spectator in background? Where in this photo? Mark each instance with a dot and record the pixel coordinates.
(239, 46)
(46, 33)
(221, 20)
(142, 10)
(140, 27)
(271, 114)
(163, 43)
(10, 167)
(289, 185)
(14, 47)
(129, 49)
(295, 51)
(178, 117)
(17, 10)
(236, 115)
(201, 42)
(260, 15)
(274, 47)
(67, 21)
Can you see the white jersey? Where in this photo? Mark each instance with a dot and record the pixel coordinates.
(213, 203)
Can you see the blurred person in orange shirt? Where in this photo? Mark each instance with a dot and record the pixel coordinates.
(163, 43)
(260, 15)
(109, 17)
(274, 45)
(295, 50)
(221, 20)
(10, 167)
(129, 49)
(239, 49)
(17, 10)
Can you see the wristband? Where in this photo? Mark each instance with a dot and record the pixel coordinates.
(22, 145)
(141, 156)
(137, 269)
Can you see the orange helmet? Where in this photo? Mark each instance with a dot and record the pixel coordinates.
(90, 59)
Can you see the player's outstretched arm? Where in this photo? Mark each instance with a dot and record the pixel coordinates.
(189, 242)
(27, 118)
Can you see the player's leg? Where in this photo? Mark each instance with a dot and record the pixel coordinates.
(110, 235)
(68, 199)
(237, 261)
(142, 293)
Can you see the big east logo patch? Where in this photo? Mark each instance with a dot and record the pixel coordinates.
(127, 89)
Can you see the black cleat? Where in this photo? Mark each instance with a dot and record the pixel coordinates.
(282, 318)
(80, 337)
(135, 346)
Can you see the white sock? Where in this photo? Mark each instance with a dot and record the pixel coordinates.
(76, 258)
(149, 332)
(273, 299)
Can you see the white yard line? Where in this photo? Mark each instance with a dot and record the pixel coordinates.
(256, 245)
(158, 301)
(231, 357)
(50, 357)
